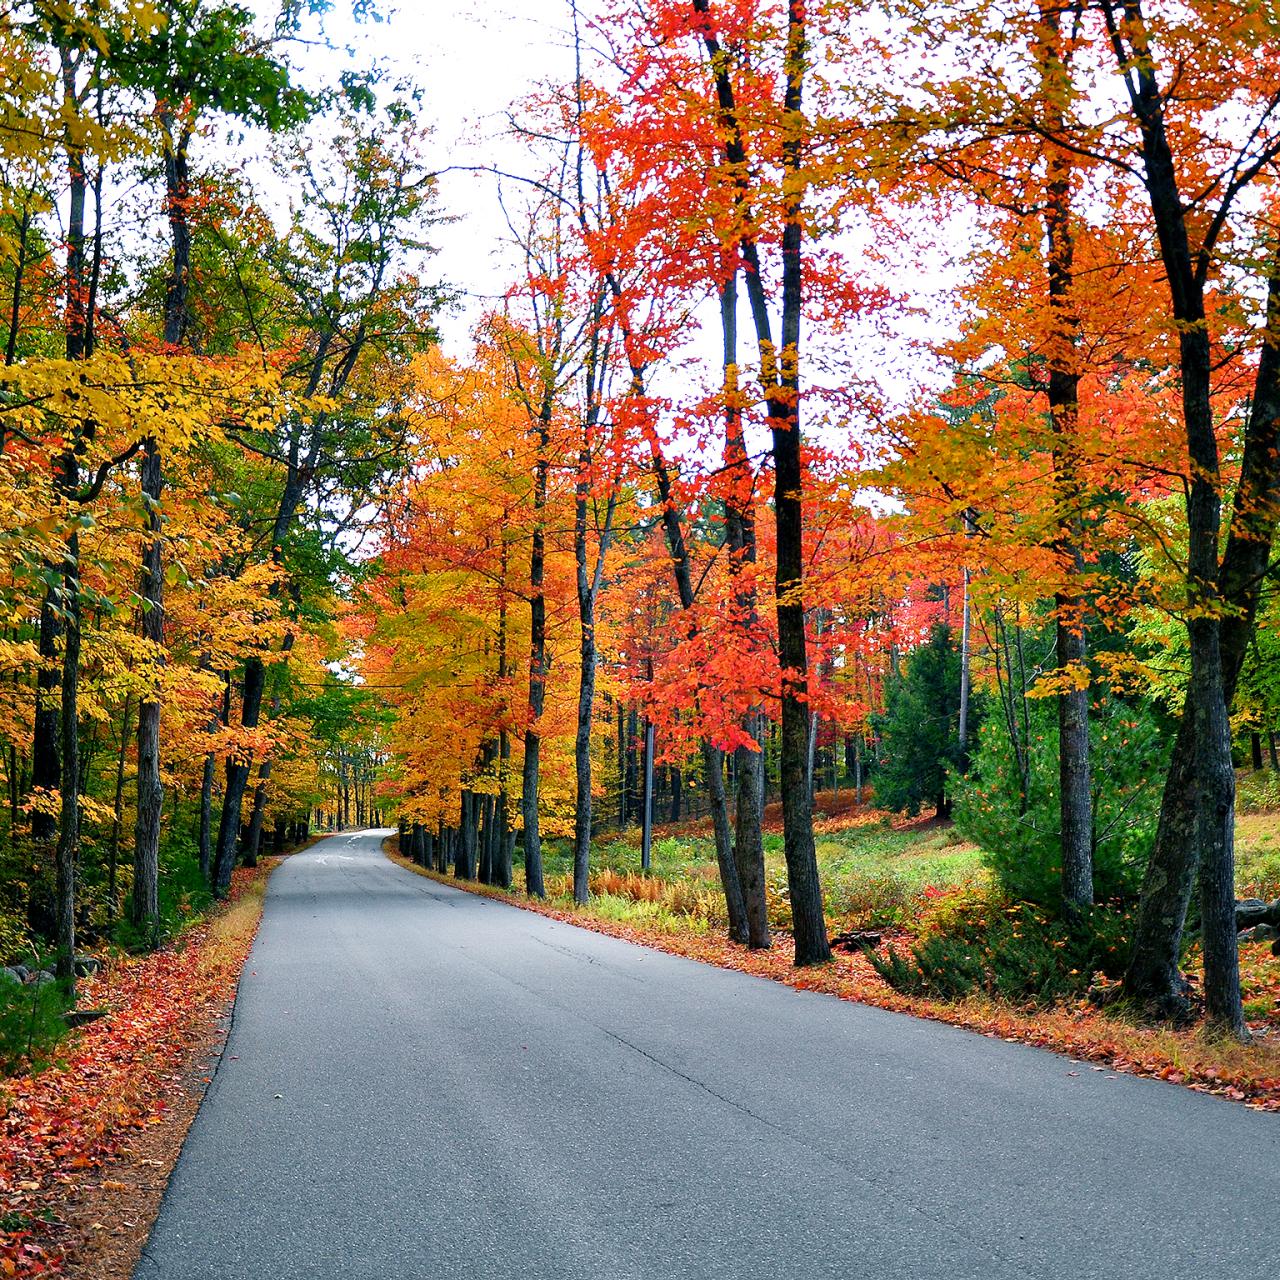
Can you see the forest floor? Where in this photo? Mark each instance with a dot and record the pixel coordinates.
(888, 874)
(87, 1145)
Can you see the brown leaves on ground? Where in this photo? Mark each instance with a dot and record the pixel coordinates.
(121, 1077)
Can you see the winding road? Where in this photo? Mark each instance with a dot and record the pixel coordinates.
(421, 1083)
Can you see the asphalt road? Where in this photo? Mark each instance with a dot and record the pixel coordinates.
(421, 1083)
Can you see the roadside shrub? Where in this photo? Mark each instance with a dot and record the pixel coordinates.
(1020, 832)
(184, 895)
(1017, 953)
(874, 898)
(31, 1024)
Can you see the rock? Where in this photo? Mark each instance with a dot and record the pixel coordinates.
(79, 1017)
(44, 977)
(11, 976)
(1253, 911)
(1261, 933)
(87, 966)
(856, 940)
(24, 974)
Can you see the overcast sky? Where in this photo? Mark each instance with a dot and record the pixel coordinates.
(472, 60)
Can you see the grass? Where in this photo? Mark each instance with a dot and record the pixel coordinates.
(877, 873)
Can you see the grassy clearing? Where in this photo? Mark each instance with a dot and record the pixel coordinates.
(877, 873)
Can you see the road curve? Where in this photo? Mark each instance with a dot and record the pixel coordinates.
(421, 1083)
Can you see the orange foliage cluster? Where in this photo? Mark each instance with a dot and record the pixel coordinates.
(65, 1122)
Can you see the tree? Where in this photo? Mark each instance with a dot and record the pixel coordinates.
(919, 744)
(347, 266)
(202, 58)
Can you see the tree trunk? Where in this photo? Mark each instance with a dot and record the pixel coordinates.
(253, 845)
(46, 767)
(237, 780)
(780, 375)
(117, 813)
(1075, 794)
(1196, 819)
(748, 849)
(735, 906)
(464, 866)
(68, 846)
(537, 664)
(749, 846)
(144, 904)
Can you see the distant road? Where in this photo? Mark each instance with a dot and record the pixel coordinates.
(423, 1083)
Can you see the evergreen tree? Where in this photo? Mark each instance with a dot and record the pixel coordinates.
(919, 729)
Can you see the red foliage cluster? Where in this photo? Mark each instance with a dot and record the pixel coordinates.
(66, 1121)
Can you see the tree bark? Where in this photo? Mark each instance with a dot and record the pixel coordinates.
(46, 767)
(1075, 794)
(68, 846)
(144, 903)
(740, 526)
(537, 662)
(780, 375)
(237, 780)
(1196, 826)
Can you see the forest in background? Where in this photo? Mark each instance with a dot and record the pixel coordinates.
(276, 561)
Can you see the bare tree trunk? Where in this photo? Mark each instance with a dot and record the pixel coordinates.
(117, 813)
(1075, 794)
(537, 665)
(68, 846)
(748, 849)
(1196, 827)
(780, 374)
(144, 903)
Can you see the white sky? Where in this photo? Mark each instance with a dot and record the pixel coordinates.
(473, 60)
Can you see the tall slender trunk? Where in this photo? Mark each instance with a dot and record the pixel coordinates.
(46, 767)
(206, 786)
(588, 578)
(68, 846)
(464, 866)
(748, 850)
(1075, 792)
(117, 812)
(237, 780)
(622, 766)
(66, 484)
(586, 703)
(780, 375)
(537, 661)
(1196, 826)
(144, 902)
